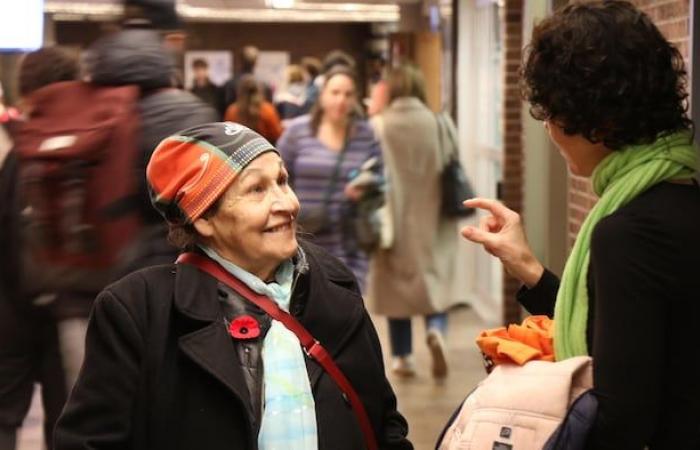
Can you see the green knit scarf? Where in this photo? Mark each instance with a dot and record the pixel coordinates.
(618, 179)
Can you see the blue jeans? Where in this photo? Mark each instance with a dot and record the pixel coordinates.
(400, 332)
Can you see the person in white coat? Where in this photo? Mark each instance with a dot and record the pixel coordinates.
(412, 275)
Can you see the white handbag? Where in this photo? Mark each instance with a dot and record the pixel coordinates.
(518, 407)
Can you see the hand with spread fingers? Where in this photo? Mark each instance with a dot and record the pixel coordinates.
(501, 234)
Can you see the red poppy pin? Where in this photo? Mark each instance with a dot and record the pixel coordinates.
(244, 327)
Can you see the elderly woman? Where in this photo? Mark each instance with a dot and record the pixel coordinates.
(611, 91)
(177, 359)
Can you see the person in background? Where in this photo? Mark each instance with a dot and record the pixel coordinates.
(413, 276)
(137, 57)
(290, 100)
(379, 98)
(178, 360)
(612, 93)
(377, 86)
(8, 114)
(334, 58)
(312, 66)
(160, 16)
(29, 338)
(252, 110)
(320, 151)
(203, 87)
(249, 59)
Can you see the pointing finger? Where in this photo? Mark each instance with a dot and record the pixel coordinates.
(495, 207)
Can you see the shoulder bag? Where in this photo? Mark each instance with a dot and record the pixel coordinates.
(455, 184)
(538, 406)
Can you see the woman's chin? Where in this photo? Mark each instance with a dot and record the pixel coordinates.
(288, 247)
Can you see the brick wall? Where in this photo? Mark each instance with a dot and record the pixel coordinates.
(512, 189)
(673, 19)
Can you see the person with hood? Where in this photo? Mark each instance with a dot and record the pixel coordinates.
(137, 57)
(291, 98)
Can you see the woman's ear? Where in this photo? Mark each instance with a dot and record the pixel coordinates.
(204, 227)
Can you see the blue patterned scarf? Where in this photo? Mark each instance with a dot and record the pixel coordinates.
(289, 411)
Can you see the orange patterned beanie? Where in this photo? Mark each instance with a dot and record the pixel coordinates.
(189, 171)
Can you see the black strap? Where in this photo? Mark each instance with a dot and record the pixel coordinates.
(452, 152)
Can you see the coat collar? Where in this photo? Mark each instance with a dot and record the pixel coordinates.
(193, 289)
(332, 310)
(207, 343)
(406, 103)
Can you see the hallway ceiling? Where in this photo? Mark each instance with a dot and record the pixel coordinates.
(244, 10)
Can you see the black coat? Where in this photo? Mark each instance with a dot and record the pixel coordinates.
(161, 371)
(643, 310)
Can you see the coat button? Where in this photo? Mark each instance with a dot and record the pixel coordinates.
(347, 400)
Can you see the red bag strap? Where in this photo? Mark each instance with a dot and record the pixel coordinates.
(311, 346)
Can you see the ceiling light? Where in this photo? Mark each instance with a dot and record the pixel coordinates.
(280, 4)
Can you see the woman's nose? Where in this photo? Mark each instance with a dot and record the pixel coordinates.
(281, 200)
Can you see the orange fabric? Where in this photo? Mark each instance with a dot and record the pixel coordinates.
(192, 174)
(532, 340)
(269, 125)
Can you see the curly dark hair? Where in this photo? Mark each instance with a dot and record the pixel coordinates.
(46, 66)
(603, 70)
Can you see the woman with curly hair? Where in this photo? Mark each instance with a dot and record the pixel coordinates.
(611, 91)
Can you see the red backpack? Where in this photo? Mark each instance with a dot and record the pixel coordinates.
(77, 155)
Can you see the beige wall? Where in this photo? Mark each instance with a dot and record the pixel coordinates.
(545, 202)
(428, 56)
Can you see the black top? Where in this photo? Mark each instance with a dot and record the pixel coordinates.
(644, 304)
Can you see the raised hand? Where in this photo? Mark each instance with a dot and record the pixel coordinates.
(502, 235)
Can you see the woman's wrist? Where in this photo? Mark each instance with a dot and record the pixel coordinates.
(530, 271)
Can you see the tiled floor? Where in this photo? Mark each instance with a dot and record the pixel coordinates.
(426, 405)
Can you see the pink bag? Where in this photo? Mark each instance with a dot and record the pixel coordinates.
(518, 407)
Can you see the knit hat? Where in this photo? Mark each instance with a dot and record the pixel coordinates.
(189, 171)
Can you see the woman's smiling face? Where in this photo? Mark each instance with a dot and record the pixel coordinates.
(255, 225)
